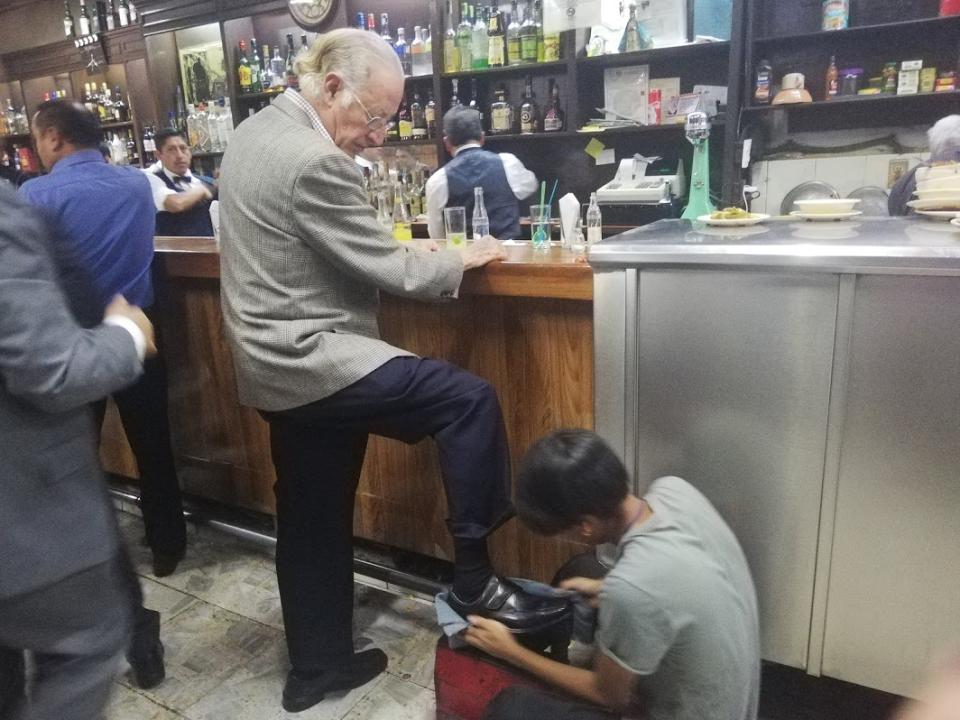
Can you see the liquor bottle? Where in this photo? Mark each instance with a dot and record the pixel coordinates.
(451, 53)
(427, 49)
(594, 221)
(106, 104)
(202, 129)
(69, 27)
(538, 22)
(123, 13)
(149, 145)
(133, 157)
(404, 120)
(454, 94)
(480, 221)
(292, 80)
(635, 37)
(496, 38)
(120, 111)
(118, 150)
(417, 53)
(133, 13)
(266, 73)
(832, 84)
(361, 21)
(551, 45)
(474, 103)
(480, 45)
(256, 67)
(84, 19)
(403, 52)
(465, 39)
(191, 126)
(304, 45)
(553, 115)
(762, 89)
(111, 16)
(97, 24)
(402, 232)
(501, 115)
(278, 68)
(371, 22)
(415, 194)
(225, 122)
(529, 116)
(244, 71)
(213, 126)
(418, 117)
(514, 48)
(528, 36)
(430, 115)
(87, 98)
(385, 28)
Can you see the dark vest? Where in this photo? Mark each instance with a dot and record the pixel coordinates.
(476, 167)
(195, 222)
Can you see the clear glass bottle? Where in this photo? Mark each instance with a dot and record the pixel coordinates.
(402, 230)
(123, 13)
(69, 26)
(84, 19)
(430, 115)
(193, 139)
(111, 16)
(594, 221)
(384, 214)
(418, 53)
(451, 51)
(465, 38)
(290, 67)
(255, 66)
(528, 36)
(278, 68)
(480, 221)
(514, 46)
(480, 43)
(266, 70)
(385, 28)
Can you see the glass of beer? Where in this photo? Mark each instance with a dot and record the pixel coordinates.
(455, 224)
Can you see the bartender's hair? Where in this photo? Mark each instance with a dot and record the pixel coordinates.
(350, 53)
(944, 139)
(164, 135)
(462, 125)
(77, 125)
(566, 476)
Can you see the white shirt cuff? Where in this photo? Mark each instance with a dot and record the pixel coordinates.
(139, 341)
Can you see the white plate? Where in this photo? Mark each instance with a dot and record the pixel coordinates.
(752, 219)
(951, 195)
(831, 206)
(935, 204)
(939, 214)
(825, 216)
(945, 183)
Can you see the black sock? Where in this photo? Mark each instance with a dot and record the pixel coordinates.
(471, 568)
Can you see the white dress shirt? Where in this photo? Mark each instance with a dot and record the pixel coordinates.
(522, 182)
(160, 191)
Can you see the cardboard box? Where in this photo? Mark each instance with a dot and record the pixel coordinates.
(909, 81)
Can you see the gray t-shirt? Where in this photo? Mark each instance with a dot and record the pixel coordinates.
(679, 609)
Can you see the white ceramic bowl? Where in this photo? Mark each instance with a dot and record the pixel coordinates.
(827, 206)
(937, 172)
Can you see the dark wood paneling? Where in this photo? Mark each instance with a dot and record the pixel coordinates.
(58, 57)
(125, 44)
(160, 16)
(164, 73)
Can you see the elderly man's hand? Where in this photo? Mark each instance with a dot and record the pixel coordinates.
(483, 251)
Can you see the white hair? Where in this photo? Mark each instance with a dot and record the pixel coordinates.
(350, 53)
(944, 139)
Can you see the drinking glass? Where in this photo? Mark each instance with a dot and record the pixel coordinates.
(540, 227)
(455, 224)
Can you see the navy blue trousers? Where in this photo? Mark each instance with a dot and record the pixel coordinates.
(318, 452)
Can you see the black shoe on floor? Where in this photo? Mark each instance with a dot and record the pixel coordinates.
(506, 601)
(166, 563)
(145, 653)
(302, 693)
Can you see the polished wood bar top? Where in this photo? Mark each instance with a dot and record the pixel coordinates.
(557, 273)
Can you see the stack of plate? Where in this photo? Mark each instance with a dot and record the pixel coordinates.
(938, 191)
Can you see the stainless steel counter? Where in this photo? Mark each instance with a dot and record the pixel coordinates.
(806, 378)
(873, 245)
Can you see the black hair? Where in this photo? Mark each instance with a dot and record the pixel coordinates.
(77, 125)
(462, 125)
(166, 134)
(565, 476)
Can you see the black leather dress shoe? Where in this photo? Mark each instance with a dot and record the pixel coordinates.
(166, 563)
(521, 612)
(300, 693)
(145, 653)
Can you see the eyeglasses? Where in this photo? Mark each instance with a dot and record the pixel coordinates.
(375, 123)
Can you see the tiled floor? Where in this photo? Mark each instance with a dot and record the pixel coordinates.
(226, 659)
(225, 654)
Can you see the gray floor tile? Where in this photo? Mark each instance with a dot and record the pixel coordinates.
(168, 601)
(126, 704)
(394, 699)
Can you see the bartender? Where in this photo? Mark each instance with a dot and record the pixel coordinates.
(182, 199)
(944, 140)
(504, 179)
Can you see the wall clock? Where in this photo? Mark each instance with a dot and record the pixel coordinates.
(312, 14)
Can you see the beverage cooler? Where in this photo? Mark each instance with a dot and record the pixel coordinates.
(807, 380)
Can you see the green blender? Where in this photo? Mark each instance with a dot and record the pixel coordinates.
(698, 133)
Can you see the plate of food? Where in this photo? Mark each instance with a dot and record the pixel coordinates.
(733, 217)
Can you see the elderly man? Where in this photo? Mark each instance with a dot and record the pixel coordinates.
(303, 261)
(944, 140)
(504, 179)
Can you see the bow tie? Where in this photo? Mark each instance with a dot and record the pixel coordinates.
(182, 178)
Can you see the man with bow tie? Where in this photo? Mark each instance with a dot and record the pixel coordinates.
(182, 199)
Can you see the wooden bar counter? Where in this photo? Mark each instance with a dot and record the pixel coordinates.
(525, 324)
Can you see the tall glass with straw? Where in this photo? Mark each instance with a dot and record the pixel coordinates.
(540, 223)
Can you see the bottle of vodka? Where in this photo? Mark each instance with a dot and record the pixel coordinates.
(481, 223)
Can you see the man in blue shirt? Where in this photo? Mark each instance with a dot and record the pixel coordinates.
(105, 215)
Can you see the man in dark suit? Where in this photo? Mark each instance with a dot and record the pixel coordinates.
(63, 594)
